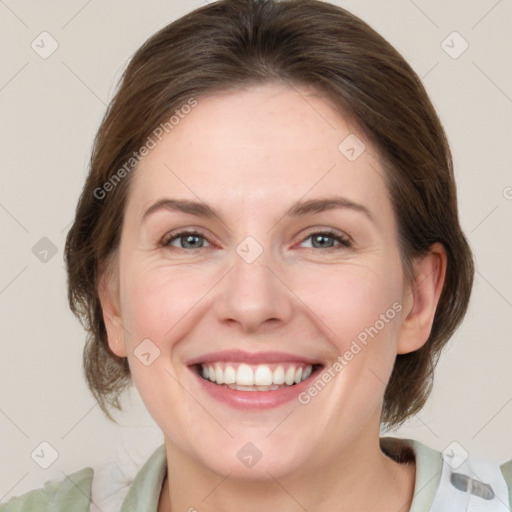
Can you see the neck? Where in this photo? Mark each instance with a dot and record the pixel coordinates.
(362, 479)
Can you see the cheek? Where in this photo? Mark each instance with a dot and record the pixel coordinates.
(156, 300)
(352, 299)
(155, 306)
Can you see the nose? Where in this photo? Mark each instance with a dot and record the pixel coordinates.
(254, 295)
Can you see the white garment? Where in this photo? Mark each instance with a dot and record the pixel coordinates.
(465, 485)
(109, 487)
(471, 485)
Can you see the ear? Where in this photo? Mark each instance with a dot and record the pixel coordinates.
(421, 298)
(108, 292)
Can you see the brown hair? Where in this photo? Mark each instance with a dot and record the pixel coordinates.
(237, 43)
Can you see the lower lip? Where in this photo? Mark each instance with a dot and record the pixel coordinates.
(254, 400)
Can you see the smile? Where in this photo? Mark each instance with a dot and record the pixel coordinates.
(252, 381)
(255, 377)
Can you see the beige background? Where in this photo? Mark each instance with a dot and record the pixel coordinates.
(51, 109)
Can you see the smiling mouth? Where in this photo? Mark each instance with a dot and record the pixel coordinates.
(251, 377)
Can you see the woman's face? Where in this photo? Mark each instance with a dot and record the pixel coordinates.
(260, 290)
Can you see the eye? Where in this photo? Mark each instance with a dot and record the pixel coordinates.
(323, 239)
(192, 239)
(186, 240)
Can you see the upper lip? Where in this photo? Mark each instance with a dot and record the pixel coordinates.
(239, 356)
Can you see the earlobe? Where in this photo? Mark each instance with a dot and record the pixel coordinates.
(108, 292)
(423, 296)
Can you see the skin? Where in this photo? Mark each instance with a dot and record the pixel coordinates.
(250, 154)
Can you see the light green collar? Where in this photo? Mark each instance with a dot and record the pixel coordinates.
(145, 489)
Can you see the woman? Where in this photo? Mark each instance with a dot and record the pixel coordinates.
(268, 245)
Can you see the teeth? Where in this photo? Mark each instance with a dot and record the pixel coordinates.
(263, 376)
(243, 388)
(229, 375)
(290, 376)
(244, 377)
(219, 375)
(278, 375)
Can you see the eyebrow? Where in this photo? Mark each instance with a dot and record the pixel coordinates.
(298, 209)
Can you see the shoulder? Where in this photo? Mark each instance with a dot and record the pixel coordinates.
(111, 486)
(506, 469)
(59, 495)
(453, 479)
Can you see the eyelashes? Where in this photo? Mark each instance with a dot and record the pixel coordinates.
(343, 240)
(166, 241)
(191, 236)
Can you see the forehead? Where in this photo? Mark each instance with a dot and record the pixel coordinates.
(260, 147)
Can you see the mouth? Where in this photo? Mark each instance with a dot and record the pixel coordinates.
(253, 381)
(256, 377)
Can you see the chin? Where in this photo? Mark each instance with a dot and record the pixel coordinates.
(253, 461)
